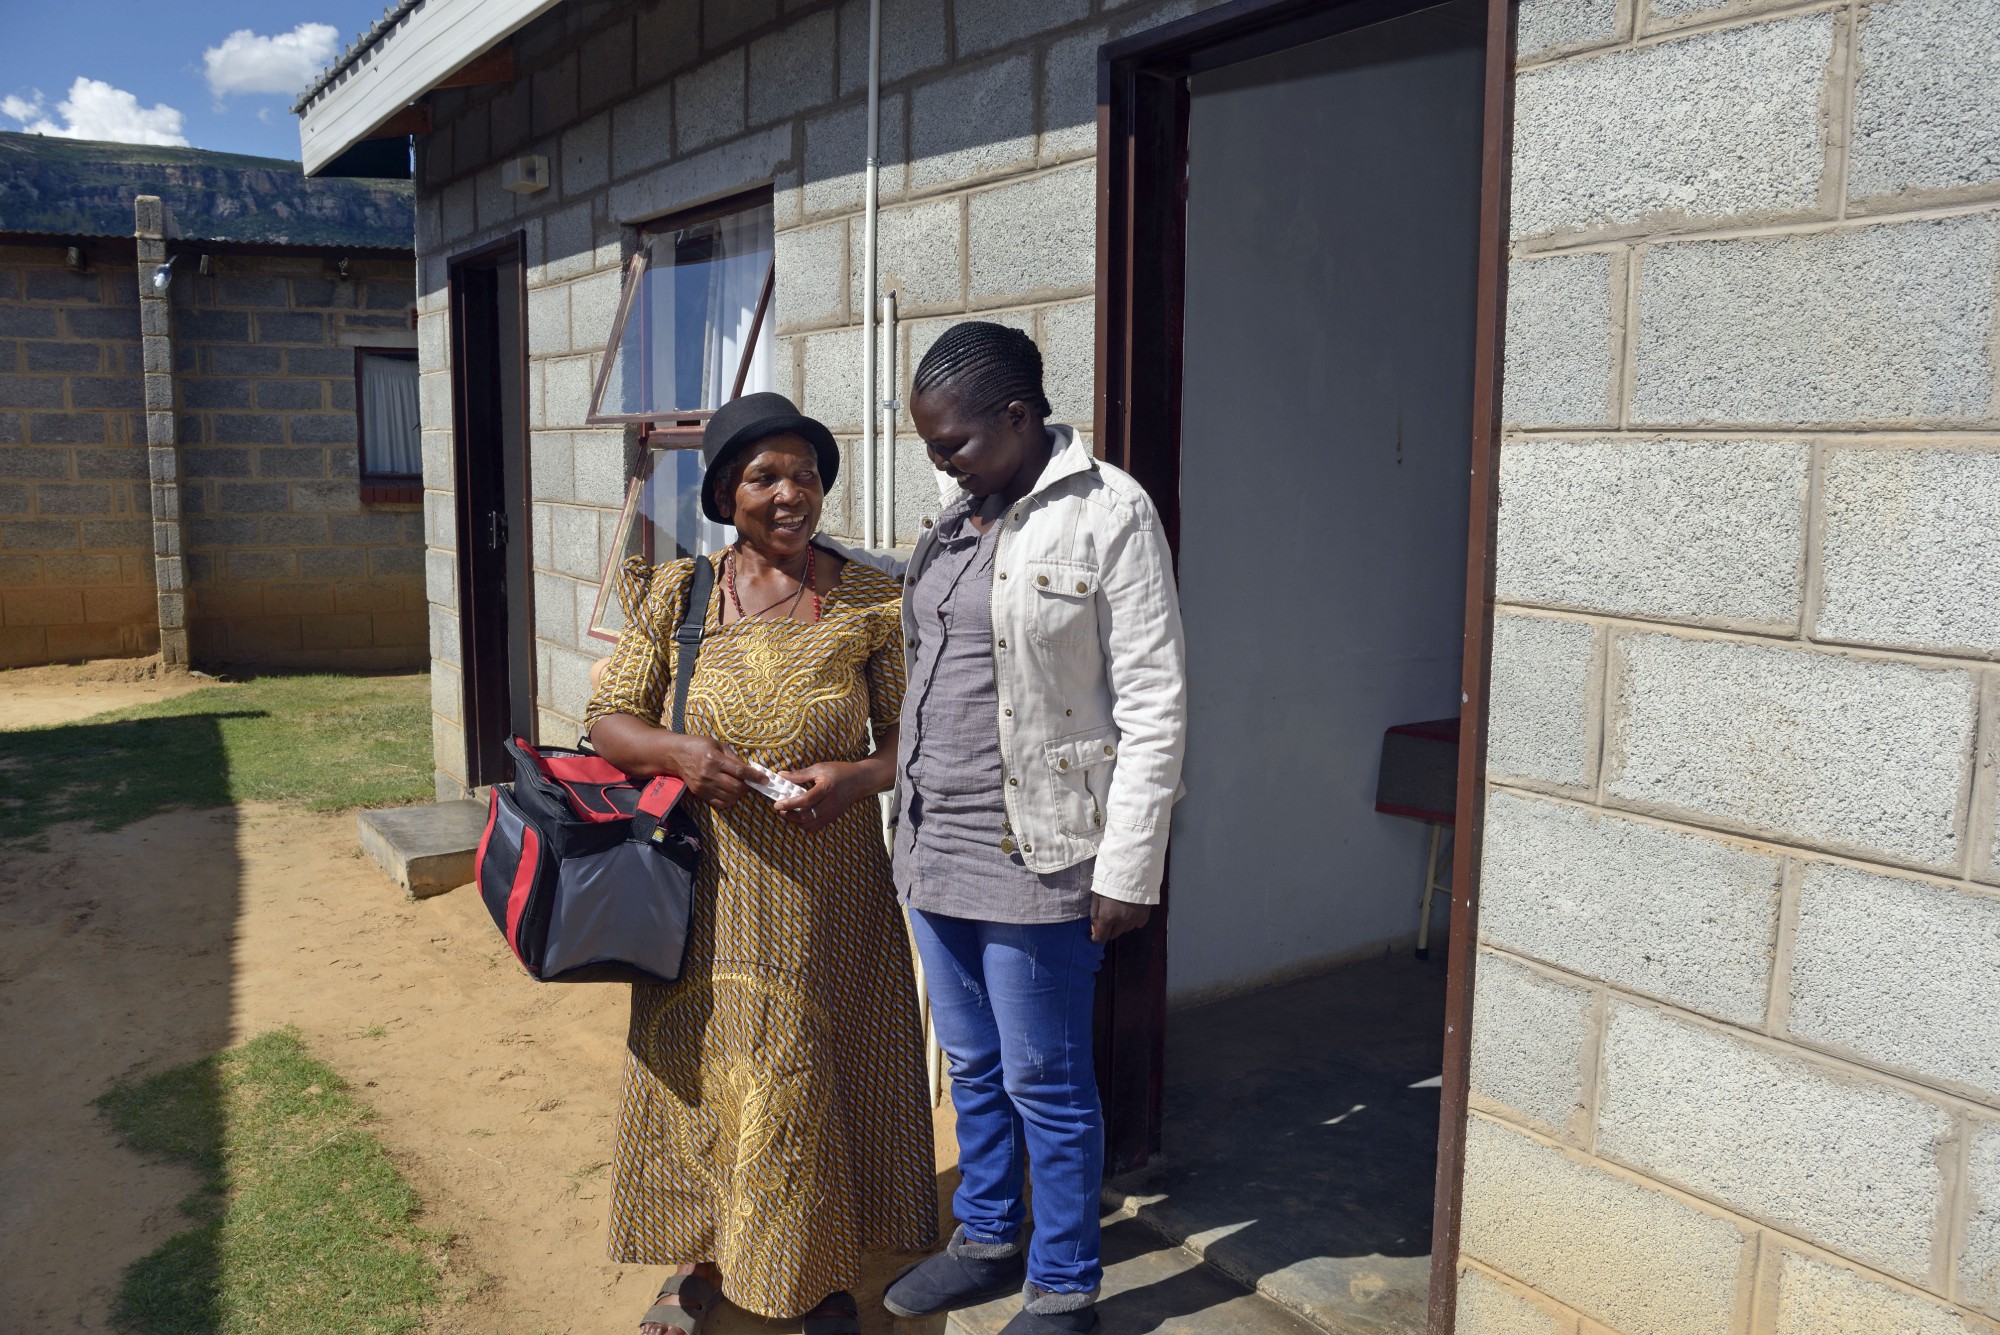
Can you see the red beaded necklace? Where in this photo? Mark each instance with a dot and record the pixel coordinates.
(729, 583)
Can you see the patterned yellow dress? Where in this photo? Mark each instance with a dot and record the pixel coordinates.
(773, 1118)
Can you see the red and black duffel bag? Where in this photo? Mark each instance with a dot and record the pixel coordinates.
(588, 873)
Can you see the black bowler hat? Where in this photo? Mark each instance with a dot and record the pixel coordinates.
(744, 421)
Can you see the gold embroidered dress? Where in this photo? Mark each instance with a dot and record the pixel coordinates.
(773, 1118)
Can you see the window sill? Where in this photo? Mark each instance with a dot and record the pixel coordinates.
(397, 492)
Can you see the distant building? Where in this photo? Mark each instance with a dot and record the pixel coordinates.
(283, 524)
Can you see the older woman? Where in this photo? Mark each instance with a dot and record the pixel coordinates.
(1041, 755)
(773, 1124)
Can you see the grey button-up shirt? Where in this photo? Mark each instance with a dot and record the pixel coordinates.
(955, 853)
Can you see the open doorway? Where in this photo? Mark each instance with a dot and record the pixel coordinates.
(490, 469)
(1298, 340)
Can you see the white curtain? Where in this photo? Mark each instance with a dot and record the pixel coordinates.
(735, 282)
(391, 436)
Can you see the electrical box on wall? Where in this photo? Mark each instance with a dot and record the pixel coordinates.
(525, 175)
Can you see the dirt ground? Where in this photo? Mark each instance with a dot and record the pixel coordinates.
(137, 950)
(36, 697)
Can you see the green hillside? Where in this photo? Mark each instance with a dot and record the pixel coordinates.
(83, 188)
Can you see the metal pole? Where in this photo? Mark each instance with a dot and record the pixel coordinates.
(891, 389)
(870, 392)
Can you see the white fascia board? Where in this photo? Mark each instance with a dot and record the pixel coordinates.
(437, 39)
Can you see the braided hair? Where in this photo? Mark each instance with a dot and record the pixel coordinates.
(985, 366)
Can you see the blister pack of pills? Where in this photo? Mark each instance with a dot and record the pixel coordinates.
(773, 784)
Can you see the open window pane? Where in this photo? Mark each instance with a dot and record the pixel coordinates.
(391, 437)
(694, 329)
(662, 521)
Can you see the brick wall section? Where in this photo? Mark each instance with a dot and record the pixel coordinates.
(1735, 1061)
(988, 200)
(76, 569)
(286, 565)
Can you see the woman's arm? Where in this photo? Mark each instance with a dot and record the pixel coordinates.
(711, 771)
(835, 785)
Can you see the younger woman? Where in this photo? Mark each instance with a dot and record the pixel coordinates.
(1039, 760)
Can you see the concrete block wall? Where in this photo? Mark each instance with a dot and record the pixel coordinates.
(644, 109)
(1734, 1066)
(287, 565)
(76, 546)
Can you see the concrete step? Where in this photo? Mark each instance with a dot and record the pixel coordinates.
(1151, 1287)
(426, 850)
(1341, 1295)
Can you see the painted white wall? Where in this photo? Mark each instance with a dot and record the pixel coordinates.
(1332, 228)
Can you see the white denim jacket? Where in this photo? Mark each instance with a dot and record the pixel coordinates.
(1092, 671)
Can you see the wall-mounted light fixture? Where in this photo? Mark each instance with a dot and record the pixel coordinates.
(341, 269)
(164, 274)
(75, 259)
(525, 175)
(206, 269)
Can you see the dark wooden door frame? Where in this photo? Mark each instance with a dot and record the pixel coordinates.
(512, 248)
(1142, 120)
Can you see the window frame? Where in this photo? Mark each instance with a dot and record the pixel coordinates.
(682, 428)
(378, 487)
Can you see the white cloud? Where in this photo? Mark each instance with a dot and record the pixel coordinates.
(96, 110)
(286, 63)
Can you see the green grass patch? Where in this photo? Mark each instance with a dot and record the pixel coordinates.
(326, 742)
(302, 1224)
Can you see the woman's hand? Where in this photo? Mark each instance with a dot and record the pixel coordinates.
(831, 787)
(1112, 918)
(712, 772)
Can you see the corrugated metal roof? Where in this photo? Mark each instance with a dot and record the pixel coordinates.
(363, 43)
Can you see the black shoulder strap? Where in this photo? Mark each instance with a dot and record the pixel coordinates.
(687, 636)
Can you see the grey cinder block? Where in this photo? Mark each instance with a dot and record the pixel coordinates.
(1486, 1307)
(1069, 361)
(708, 102)
(1542, 716)
(1888, 323)
(425, 850)
(586, 157)
(918, 251)
(988, 27)
(1564, 324)
(1844, 1162)
(811, 290)
(1817, 748)
(548, 319)
(836, 156)
(1817, 1297)
(972, 123)
(1530, 1033)
(567, 383)
(1720, 125)
(913, 40)
(736, 165)
(1637, 1259)
(1031, 240)
(1689, 530)
(642, 130)
(1685, 917)
(1069, 95)
(1900, 972)
(1927, 105)
(791, 69)
(832, 390)
(1910, 549)
(1978, 1260)
(1547, 26)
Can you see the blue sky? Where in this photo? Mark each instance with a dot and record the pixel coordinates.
(217, 74)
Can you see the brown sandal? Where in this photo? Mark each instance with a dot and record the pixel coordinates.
(680, 1307)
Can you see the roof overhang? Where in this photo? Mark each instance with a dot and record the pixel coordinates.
(399, 63)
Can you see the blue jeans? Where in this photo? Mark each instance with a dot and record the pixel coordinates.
(1012, 1006)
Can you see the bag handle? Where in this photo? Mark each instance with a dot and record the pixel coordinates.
(688, 635)
(657, 798)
